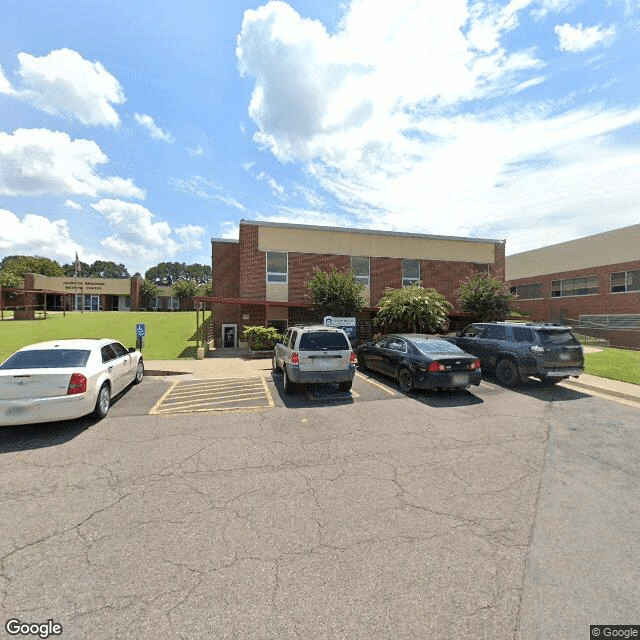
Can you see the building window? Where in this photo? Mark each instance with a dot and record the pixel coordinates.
(410, 272)
(482, 269)
(361, 269)
(154, 303)
(528, 291)
(277, 266)
(574, 287)
(175, 303)
(624, 281)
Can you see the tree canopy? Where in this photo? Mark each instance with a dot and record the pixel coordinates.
(336, 293)
(413, 309)
(488, 297)
(13, 269)
(168, 273)
(99, 269)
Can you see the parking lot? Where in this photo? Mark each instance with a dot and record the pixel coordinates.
(494, 513)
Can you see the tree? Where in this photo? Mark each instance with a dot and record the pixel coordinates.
(489, 298)
(414, 309)
(13, 268)
(336, 293)
(200, 273)
(108, 269)
(84, 269)
(186, 289)
(148, 290)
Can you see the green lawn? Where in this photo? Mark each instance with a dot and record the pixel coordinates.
(169, 335)
(615, 364)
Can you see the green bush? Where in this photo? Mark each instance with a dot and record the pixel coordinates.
(261, 338)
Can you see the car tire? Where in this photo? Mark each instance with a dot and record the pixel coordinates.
(274, 365)
(287, 386)
(345, 386)
(103, 402)
(139, 373)
(507, 373)
(405, 380)
(362, 363)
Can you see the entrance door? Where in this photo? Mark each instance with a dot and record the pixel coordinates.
(229, 336)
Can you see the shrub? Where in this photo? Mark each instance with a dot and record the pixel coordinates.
(414, 309)
(261, 338)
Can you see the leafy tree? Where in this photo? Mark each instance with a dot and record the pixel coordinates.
(148, 290)
(108, 269)
(261, 338)
(414, 309)
(200, 273)
(186, 289)
(168, 273)
(13, 268)
(84, 269)
(488, 297)
(336, 293)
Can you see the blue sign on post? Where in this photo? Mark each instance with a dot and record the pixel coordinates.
(141, 330)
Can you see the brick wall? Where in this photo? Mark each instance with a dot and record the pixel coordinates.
(252, 264)
(604, 302)
(302, 267)
(385, 272)
(225, 265)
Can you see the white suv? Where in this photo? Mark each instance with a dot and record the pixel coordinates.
(315, 355)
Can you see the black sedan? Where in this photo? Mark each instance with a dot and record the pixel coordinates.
(418, 361)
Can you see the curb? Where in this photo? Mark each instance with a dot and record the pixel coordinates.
(605, 392)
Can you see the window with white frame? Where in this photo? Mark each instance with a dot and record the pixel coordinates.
(277, 266)
(574, 287)
(410, 272)
(361, 269)
(175, 303)
(528, 291)
(625, 281)
(154, 303)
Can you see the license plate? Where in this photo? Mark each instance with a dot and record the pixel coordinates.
(460, 379)
(565, 356)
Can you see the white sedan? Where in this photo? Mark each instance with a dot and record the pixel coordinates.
(65, 379)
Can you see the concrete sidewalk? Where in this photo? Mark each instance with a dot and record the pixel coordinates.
(239, 366)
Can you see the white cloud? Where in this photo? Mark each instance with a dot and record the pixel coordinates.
(71, 204)
(554, 6)
(39, 161)
(64, 83)
(138, 239)
(195, 151)
(230, 230)
(344, 95)
(154, 130)
(580, 38)
(206, 189)
(36, 235)
(5, 85)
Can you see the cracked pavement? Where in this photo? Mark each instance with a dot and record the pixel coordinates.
(470, 516)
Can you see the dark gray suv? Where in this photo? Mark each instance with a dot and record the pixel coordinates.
(516, 351)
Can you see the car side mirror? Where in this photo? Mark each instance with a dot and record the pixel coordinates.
(132, 349)
(459, 333)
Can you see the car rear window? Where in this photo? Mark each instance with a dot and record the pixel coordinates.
(323, 341)
(521, 334)
(558, 339)
(47, 359)
(435, 346)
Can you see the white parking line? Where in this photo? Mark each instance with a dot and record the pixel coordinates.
(486, 386)
(376, 384)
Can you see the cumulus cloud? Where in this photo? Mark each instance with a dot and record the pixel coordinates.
(339, 96)
(39, 161)
(64, 83)
(580, 38)
(137, 237)
(34, 234)
(5, 85)
(71, 204)
(154, 130)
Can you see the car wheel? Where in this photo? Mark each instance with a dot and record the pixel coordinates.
(103, 402)
(345, 386)
(405, 380)
(507, 373)
(274, 365)
(139, 373)
(287, 386)
(362, 363)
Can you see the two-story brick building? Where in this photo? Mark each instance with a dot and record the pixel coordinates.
(261, 278)
(594, 279)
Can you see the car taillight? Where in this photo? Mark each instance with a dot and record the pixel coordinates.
(474, 365)
(435, 366)
(353, 358)
(77, 384)
(294, 358)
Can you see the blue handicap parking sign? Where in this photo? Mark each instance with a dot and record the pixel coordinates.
(141, 330)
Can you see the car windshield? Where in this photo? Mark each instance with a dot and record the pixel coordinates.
(435, 346)
(47, 359)
(558, 339)
(323, 341)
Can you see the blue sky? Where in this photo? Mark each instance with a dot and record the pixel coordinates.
(136, 131)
